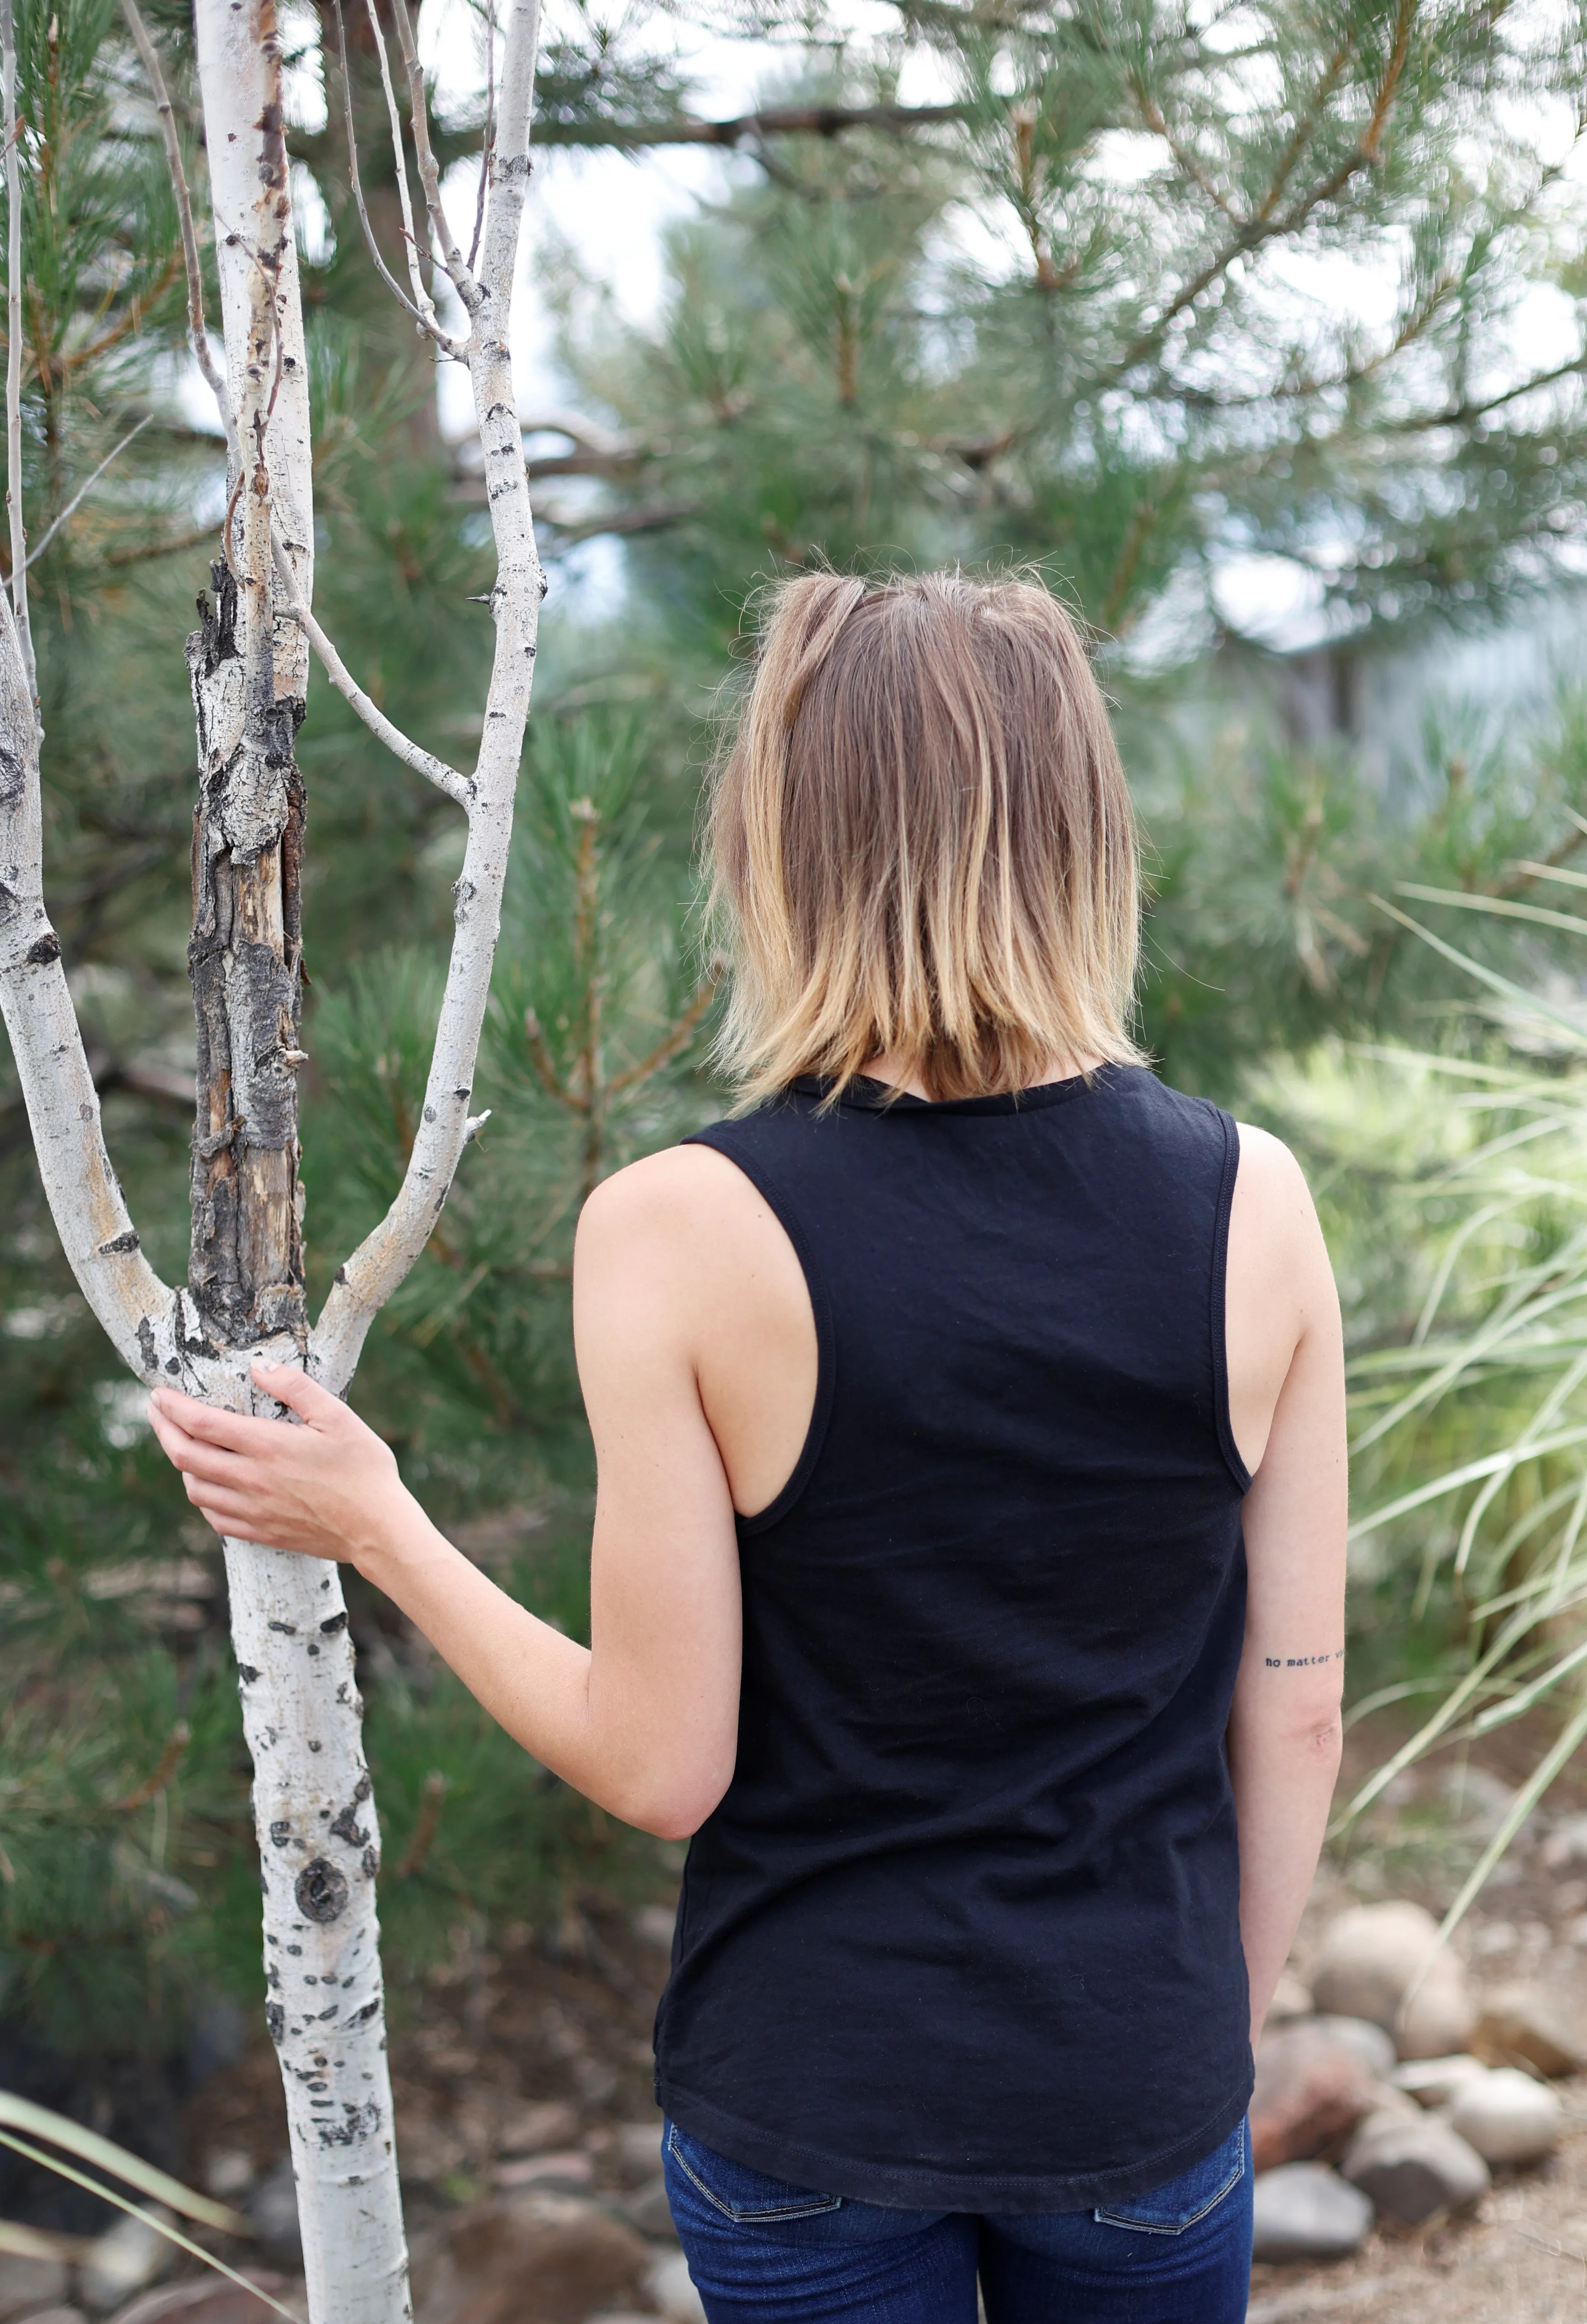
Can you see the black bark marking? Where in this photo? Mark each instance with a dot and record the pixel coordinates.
(276, 2019)
(40, 955)
(371, 1861)
(347, 1827)
(321, 1891)
(125, 1242)
(247, 1673)
(332, 1624)
(146, 1348)
(363, 1788)
(361, 2016)
(287, 1630)
(280, 1833)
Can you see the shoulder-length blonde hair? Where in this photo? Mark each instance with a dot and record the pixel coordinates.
(921, 844)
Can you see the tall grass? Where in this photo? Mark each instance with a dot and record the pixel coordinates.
(1456, 1190)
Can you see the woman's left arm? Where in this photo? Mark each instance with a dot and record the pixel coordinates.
(644, 1720)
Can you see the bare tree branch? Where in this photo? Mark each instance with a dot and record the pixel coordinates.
(457, 787)
(775, 121)
(197, 334)
(422, 297)
(429, 176)
(368, 1277)
(424, 315)
(19, 537)
(82, 491)
(487, 145)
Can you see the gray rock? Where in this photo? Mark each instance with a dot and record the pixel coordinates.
(1291, 1999)
(1437, 2082)
(648, 2210)
(1369, 1959)
(228, 2172)
(1523, 2025)
(672, 2288)
(124, 2260)
(1566, 1843)
(27, 2283)
(1413, 2170)
(1507, 2117)
(272, 2206)
(1304, 2210)
(1363, 2040)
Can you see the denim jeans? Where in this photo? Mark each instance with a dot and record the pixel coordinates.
(760, 2249)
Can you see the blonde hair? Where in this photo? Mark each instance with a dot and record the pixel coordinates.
(921, 842)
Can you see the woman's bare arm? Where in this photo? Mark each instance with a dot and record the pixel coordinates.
(644, 1720)
(1287, 1402)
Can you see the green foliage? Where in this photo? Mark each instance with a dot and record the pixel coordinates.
(1110, 315)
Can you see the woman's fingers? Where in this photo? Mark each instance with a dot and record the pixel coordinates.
(291, 1386)
(211, 1425)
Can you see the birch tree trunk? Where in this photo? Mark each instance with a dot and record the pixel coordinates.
(314, 1808)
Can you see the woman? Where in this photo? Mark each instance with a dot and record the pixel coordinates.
(967, 1569)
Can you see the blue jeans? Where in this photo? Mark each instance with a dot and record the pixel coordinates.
(760, 2249)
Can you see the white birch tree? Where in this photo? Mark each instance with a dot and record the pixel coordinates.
(243, 1300)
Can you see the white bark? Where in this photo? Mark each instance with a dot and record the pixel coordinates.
(367, 1279)
(91, 1218)
(313, 1807)
(314, 1812)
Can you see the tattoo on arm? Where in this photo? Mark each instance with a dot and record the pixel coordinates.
(1301, 1661)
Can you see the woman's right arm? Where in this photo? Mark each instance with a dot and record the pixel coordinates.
(1286, 1401)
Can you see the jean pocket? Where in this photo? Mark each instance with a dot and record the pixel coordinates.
(1180, 2203)
(749, 2197)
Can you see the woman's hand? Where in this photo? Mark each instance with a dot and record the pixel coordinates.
(329, 1488)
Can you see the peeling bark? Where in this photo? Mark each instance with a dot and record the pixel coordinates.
(248, 660)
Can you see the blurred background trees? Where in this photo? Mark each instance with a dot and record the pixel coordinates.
(1204, 313)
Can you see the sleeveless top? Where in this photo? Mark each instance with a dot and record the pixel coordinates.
(963, 1934)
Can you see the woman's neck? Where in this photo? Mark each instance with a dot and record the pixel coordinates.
(891, 1073)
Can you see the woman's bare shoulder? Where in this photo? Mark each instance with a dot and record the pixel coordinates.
(679, 1188)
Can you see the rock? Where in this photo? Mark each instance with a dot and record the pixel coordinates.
(124, 2259)
(1480, 1799)
(1507, 2117)
(1304, 2210)
(272, 2208)
(637, 2146)
(1363, 2040)
(1310, 2093)
(1290, 1999)
(1566, 1843)
(648, 2210)
(30, 2280)
(1435, 2082)
(571, 2170)
(1524, 2025)
(206, 2299)
(672, 2288)
(1367, 1962)
(475, 2268)
(1413, 2169)
(229, 2173)
(653, 1924)
(551, 2122)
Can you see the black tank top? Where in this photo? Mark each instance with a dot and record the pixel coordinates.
(963, 1932)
